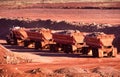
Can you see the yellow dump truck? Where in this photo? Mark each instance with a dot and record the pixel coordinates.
(67, 41)
(41, 37)
(16, 35)
(100, 44)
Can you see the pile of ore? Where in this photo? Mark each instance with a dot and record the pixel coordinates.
(8, 57)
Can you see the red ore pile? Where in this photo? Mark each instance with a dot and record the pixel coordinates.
(8, 57)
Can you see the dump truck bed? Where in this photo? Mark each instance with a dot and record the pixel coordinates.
(68, 37)
(39, 34)
(20, 33)
(99, 40)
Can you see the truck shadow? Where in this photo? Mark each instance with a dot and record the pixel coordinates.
(51, 54)
(45, 52)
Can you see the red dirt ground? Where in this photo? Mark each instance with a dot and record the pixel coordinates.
(55, 61)
(70, 15)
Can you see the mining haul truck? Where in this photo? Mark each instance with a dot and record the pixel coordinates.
(100, 44)
(16, 35)
(41, 38)
(69, 41)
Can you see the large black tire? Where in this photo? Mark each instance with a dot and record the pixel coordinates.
(85, 50)
(38, 45)
(11, 41)
(64, 48)
(26, 43)
(67, 49)
(70, 49)
(15, 41)
(8, 41)
(95, 52)
(53, 48)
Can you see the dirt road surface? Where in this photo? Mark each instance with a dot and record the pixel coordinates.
(77, 15)
(47, 59)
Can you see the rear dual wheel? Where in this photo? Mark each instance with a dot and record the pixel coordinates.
(68, 49)
(38, 45)
(85, 50)
(15, 41)
(26, 43)
(53, 48)
(96, 52)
